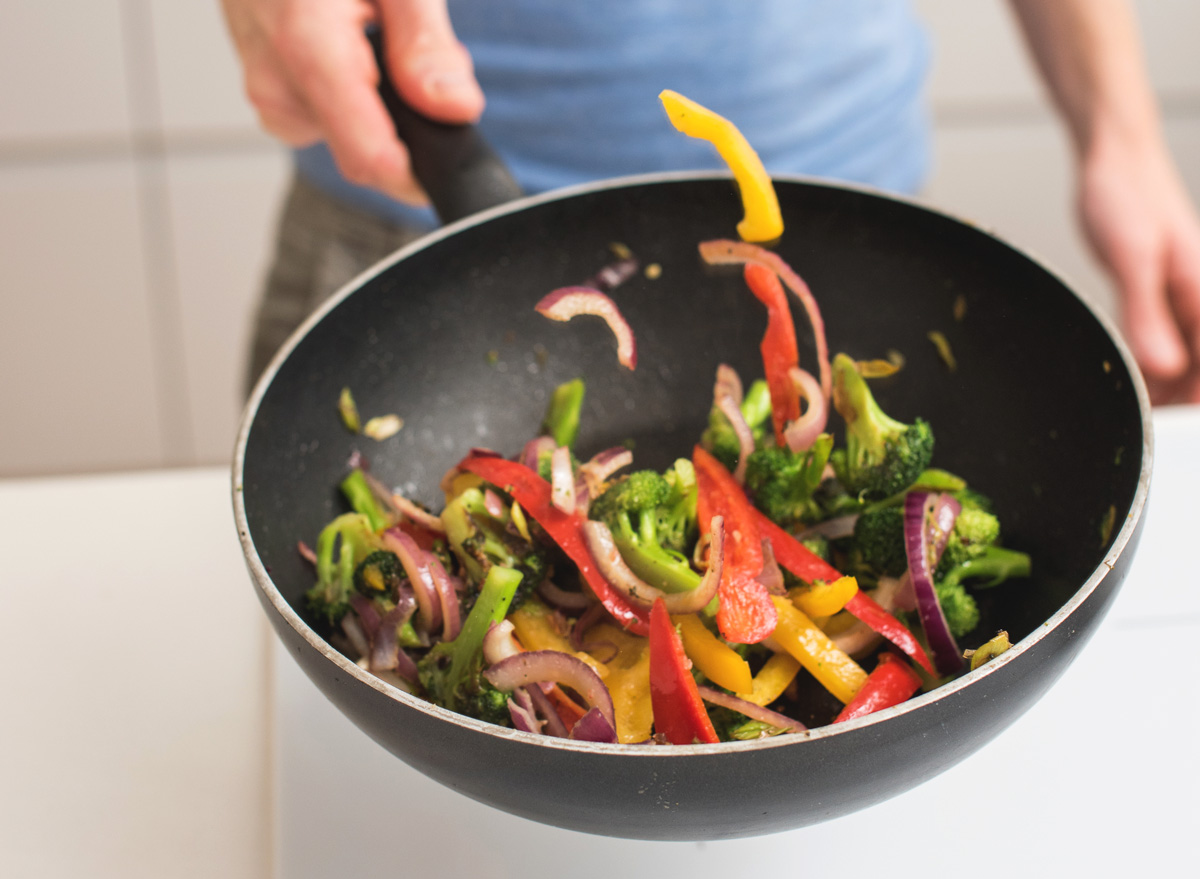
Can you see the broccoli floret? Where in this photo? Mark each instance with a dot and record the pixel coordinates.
(451, 672)
(782, 483)
(993, 565)
(652, 518)
(817, 545)
(562, 415)
(483, 701)
(719, 438)
(379, 574)
(882, 456)
(974, 531)
(479, 541)
(989, 568)
(341, 545)
(879, 540)
(959, 608)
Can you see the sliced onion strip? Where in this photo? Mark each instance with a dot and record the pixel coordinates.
(727, 397)
(752, 711)
(728, 252)
(416, 566)
(568, 302)
(928, 519)
(800, 434)
(536, 666)
(562, 480)
(593, 727)
(616, 571)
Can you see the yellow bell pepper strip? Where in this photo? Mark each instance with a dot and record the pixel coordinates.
(893, 681)
(833, 669)
(795, 557)
(762, 220)
(679, 713)
(719, 662)
(824, 598)
(772, 679)
(533, 624)
(627, 676)
(745, 614)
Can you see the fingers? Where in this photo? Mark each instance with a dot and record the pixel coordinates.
(431, 69)
(332, 67)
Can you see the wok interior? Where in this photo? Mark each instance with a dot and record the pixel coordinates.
(1040, 413)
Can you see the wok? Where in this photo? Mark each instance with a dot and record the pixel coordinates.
(1045, 412)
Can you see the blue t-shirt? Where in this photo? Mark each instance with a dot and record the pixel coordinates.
(831, 88)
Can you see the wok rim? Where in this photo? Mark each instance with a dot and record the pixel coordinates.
(287, 613)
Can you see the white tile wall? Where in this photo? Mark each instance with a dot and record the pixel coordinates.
(222, 213)
(76, 340)
(62, 73)
(136, 197)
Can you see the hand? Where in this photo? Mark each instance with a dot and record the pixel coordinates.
(311, 75)
(1138, 218)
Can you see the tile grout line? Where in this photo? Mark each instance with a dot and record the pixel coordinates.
(161, 266)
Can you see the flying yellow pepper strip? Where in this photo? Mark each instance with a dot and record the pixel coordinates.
(772, 679)
(719, 662)
(824, 599)
(762, 220)
(796, 633)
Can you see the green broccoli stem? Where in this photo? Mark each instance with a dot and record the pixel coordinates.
(358, 493)
(562, 415)
(993, 566)
(756, 403)
(854, 400)
(495, 596)
(656, 566)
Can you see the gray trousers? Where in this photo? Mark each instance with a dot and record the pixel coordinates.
(320, 244)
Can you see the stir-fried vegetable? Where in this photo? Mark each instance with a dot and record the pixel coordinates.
(593, 600)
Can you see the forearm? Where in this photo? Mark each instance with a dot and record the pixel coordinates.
(1090, 57)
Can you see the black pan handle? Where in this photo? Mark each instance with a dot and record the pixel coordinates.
(458, 169)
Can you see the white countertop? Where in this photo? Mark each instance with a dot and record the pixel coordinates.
(135, 743)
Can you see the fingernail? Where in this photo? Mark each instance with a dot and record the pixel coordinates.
(450, 84)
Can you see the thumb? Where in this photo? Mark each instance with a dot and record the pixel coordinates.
(431, 69)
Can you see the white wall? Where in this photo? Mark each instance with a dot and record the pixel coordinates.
(137, 198)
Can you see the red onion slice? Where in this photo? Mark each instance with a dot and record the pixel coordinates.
(613, 568)
(498, 643)
(534, 449)
(447, 598)
(727, 397)
(928, 519)
(520, 709)
(726, 252)
(752, 711)
(552, 723)
(536, 666)
(561, 598)
(831, 529)
(593, 727)
(800, 434)
(415, 564)
(562, 480)
(771, 576)
(568, 302)
(614, 274)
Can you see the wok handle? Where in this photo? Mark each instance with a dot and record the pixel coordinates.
(458, 169)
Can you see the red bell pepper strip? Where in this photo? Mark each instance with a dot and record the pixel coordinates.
(533, 494)
(794, 556)
(779, 351)
(893, 681)
(678, 709)
(745, 614)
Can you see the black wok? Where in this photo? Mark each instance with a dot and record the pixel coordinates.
(1045, 413)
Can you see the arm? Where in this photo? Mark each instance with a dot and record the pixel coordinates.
(1133, 206)
(310, 73)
